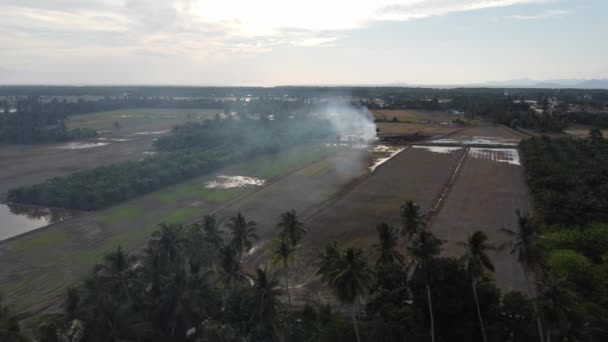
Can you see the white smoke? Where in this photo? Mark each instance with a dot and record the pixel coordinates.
(355, 128)
(350, 122)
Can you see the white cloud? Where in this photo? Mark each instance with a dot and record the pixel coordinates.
(133, 34)
(540, 16)
(217, 23)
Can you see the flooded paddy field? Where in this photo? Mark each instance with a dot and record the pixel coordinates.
(20, 219)
(133, 137)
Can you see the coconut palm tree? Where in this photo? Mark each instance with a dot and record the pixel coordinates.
(243, 233)
(115, 269)
(231, 274)
(350, 276)
(412, 219)
(292, 229)
(387, 245)
(422, 251)
(326, 262)
(212, 234)
(267, 313)
(524, 243)
(476, 262)
(557, 301)
(283, 252)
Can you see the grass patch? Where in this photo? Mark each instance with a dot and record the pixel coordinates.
(121, 213)
(197, 190)
(183, 215)
(283, 162)
(316, 169)
(40, 240)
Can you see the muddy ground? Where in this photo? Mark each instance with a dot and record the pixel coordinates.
(485, 197)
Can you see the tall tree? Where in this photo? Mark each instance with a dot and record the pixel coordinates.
(243, 234)
(476, 261)
(350, 276)
(211, 229)
(557, 302)
(412, 219)
(292, 229)
(387, 245)
(524, 243)
(422, 251)
(267, 306)
(283, 252)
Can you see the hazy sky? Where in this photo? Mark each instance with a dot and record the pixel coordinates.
(247, 42)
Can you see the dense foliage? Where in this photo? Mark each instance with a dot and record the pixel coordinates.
(568, 179)
(246, 132)
(196, 149)
(189, 284)
(32, 121)
(592, 119)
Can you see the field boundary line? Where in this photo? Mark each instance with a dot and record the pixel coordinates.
(438, 201)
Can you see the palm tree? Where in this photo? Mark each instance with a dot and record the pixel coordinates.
(284, 252)
(116, 267)
(412, 219)
(422, 251)
(266, 301)
(557, 301)
(212, 234)
(292, 229)
(524, 243)
(476, 261)
(387, 246)
(349, 276)
(243, 232)
(167, 243)
(231, 274)
(327, 261)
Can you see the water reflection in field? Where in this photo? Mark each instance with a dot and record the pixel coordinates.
(18, 219)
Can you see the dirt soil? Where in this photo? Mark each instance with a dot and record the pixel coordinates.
(352, 217)
(485, 196)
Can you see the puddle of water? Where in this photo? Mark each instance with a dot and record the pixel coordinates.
(80, 145)
(385, 148)
(439, 149)
(477, 140)
(114, 139)
(229, 182)
(381, 161)
(509, 155)
(152, 132)
(16, 219)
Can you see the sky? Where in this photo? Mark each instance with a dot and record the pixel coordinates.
(312, 42)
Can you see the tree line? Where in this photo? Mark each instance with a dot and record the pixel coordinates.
(32, 121)
(191, 150)
(190, 284)
(567, 178)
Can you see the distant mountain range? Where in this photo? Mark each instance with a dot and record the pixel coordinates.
(559, 83)
(520, 83)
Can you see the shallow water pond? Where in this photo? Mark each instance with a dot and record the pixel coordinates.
(17, 219)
